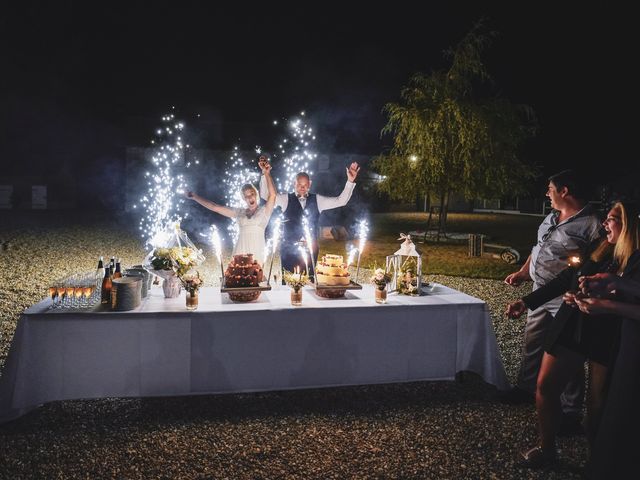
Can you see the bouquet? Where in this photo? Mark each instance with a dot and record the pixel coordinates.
(172, 257)
(380, 278)
(296, 280)
(177, 259)
(191, 281)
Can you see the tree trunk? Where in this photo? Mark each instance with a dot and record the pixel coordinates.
(443, 197)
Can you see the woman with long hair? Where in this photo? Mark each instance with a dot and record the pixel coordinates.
(575, 336)
(252, 220)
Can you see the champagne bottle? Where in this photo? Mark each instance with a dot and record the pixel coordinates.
(100, 270)
(105, 296)
(117, 273)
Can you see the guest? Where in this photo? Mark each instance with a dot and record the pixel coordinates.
(252, 220)
(297, 205)
(616, 445)
(568, 230)
(575, 337)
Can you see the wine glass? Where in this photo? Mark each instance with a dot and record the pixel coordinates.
(62, 293)
(53, 293)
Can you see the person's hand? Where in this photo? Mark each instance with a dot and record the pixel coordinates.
(264, 164)
(352, 172)
(516, 278)
(515, 309)
(571, 298)
(190, 194)
(599, 284)
(595, 306)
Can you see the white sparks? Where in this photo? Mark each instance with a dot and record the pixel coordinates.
(236, 175)
(161, 201)
(296, 152)
(216, 242)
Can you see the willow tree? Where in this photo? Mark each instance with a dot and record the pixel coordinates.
(451, 133)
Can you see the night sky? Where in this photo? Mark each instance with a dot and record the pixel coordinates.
(88, 81)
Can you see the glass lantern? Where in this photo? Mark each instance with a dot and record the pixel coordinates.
(406, 274)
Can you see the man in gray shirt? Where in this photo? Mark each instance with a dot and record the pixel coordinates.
(565, 233)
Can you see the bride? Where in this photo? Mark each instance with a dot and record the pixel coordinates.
(252, 220)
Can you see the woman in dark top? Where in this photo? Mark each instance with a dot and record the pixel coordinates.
(616, 446)
(576, 337)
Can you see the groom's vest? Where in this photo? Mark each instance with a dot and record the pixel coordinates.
(292, 229)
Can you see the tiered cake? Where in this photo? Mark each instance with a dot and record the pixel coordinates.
(243, 271)
(332, 271)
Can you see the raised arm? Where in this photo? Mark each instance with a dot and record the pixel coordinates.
(271, 197)
(282, 199)
(327, 203)
(213, 206)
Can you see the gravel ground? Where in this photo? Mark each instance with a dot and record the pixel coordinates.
(434, 430)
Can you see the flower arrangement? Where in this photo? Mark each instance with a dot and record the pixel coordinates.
(191, 281)
(380, 278)
(296, 280)
(407, 277)
(178, 259)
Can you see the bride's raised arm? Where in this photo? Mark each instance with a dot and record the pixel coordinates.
(265, 166)
(213, 206)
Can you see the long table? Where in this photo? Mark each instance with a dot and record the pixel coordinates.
(161, 349)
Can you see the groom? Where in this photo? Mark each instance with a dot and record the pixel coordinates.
(297, 205)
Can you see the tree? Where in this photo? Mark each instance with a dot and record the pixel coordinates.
(452, 134)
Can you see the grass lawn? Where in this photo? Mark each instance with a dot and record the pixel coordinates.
(448, 257)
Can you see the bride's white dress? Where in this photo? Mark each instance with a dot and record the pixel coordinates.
(251, 236)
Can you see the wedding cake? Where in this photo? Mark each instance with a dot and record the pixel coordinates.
(243, 271)
(332, 271)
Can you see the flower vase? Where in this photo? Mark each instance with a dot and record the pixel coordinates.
(296, 297)
(381, 294)
(192, 299)
(171, 286)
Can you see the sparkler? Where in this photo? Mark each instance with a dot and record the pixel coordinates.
(237, 174)
(303, 253)
(296, 151)
(217, 248)
(352, 255)
(273, 243)
(363, 229)
(308, 240)
(165, 182)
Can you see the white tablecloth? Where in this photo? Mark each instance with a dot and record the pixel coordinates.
(162, 349)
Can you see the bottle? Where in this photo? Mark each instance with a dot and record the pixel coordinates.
(100, 270)
(117, 273)
(105, 296)
(112, 265)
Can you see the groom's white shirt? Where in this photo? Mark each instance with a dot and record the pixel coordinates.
(324, 203)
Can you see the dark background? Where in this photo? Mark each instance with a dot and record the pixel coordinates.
(82, 82)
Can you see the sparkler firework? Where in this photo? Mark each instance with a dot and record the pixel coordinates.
(166, 183)
(309, 241)
(236, 175)
(272, 243)
(296, 152)
(214, 238)
(363, 230)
